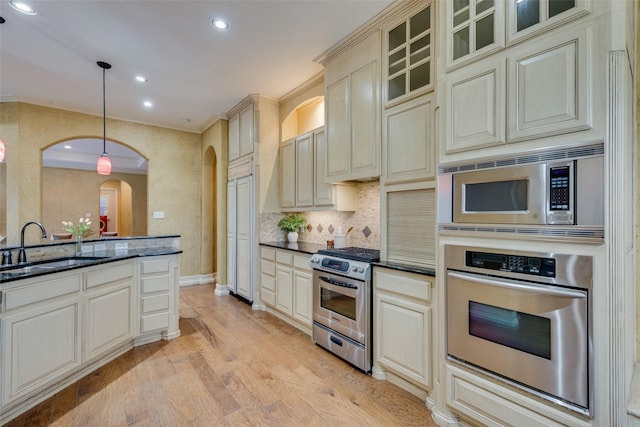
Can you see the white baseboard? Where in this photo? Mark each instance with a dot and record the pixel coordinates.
(201, 279)
(222, 289)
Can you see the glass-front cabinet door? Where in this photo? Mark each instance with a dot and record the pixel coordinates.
(409, 57)
(475, 28)
(528, 17)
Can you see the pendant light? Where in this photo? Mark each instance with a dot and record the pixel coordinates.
(104, 162)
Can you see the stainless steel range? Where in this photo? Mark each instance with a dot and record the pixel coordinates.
(342, 303)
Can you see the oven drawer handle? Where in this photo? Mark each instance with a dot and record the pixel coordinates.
(509, 284)
(337, 283)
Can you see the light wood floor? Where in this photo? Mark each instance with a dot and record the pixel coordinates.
(231, 366)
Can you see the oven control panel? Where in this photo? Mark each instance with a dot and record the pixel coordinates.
(514, 263)
(349, 268)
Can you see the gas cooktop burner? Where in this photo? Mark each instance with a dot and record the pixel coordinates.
(356, 254)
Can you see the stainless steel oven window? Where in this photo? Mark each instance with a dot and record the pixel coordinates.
(511, 328)
(338, 303)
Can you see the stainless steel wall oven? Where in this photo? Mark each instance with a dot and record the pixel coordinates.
(525, 318)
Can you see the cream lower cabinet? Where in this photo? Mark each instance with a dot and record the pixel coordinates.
(108, 302)
(286, 286)
(41, 334)
(402, 327)
(159, 295)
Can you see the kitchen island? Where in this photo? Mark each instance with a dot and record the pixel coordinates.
(59, 324)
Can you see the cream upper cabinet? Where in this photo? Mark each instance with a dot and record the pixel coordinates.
(475, 112)
(408, 128)
(288, 174)
(322, 192)
(241, 132)
(475, 28)
(302, 185)
(550, 87)
(305, 170)
(408, 60)
(352, 103)
(246, 130)
(234, 137)
(529, 17)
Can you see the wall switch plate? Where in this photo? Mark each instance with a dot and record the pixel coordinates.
(158, 214)
(87, 215)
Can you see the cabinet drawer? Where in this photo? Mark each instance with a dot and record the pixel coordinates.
(268, 297)
(41, 291)
(400, 282)
(284, 258)
(154, 322)
(155, 303)
(302, 262)
(268, 267)
(268, 282)
(109, 274)
(155, 266)
(268, 254)
(155, 284)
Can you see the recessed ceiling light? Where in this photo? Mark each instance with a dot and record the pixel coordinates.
(186, 120)
(68, 147)
(22, 7)
(147, 104)
(141, 79)
(220, 24)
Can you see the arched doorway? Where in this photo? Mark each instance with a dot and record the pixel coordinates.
(72, 189)
(209, 211)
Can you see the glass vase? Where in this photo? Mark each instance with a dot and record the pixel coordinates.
(79, 244)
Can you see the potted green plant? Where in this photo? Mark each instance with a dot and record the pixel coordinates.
(291, 224)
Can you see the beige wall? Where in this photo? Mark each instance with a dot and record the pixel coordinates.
(174, 177)
(68, 194)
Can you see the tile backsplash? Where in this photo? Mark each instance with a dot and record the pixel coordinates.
(323, 225)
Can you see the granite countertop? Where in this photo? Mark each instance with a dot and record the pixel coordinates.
(55, 265)
(425, 271)
(306, 247)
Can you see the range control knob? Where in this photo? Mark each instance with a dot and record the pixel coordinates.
(315, 259)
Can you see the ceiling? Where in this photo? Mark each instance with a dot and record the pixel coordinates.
(195, 73)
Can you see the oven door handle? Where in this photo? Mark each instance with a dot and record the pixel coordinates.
(337, 283)
(511, 284)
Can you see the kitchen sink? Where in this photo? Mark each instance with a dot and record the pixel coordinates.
(48, 265)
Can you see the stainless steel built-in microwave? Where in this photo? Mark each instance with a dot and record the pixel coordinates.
(569, 192)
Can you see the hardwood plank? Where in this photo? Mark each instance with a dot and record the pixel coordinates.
(231, 366)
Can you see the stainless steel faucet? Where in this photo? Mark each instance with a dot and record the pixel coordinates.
(22, 256)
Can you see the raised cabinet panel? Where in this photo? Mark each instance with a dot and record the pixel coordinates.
(244, 239)
(304, 170)
(231, 234)
(338, 129)
(234, 137)
(364, 110)
(475, 113)
(323, 192)
(108, 320)
(408, 128)
(550, 87)
(38, 347)
(288, 175)
(246, 131)
(404, 331)
(303, 291)
(284, 290)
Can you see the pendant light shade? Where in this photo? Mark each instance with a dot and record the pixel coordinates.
(104, 162)
(2, 150)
